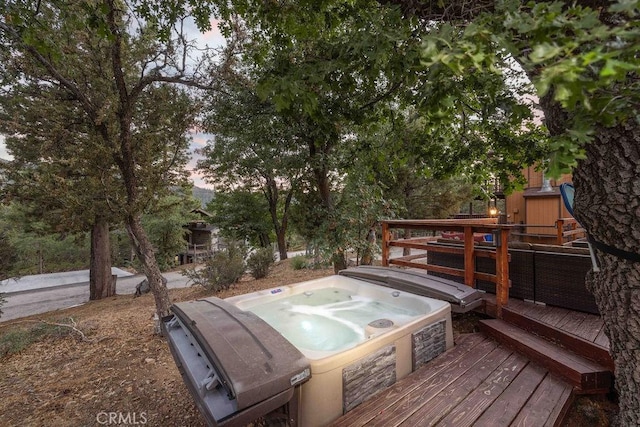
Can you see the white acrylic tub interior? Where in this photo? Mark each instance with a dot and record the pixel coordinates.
(342, 326)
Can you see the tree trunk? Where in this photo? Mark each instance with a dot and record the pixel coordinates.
(101, 282)
(144, 251)
(407, 235)
(367, 254)
(265, 242)
(282, 243)
(607, 204)
(339, 260)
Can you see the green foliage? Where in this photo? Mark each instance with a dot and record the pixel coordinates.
(27, 248)
(242, 215)
(164, 224)
(8, 256)
(260, 261)
(334, 72)
(220, 271)
(583, 62)
(256, 150)
(50, 253)
(19, 338)
(582, 58)
(95, 115)
(299, 262)
(121, 249)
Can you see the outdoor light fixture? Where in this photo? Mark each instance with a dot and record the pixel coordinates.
(493, 211)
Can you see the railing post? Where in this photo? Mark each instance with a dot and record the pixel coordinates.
(560, 230)
(469, 259)
(502, 270)
(386, 235)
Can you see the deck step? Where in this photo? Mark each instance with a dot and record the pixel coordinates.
(574, 343)
(585, 375)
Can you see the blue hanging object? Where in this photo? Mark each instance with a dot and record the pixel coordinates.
(568, 193)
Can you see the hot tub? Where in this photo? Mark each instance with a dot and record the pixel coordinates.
(358, 337)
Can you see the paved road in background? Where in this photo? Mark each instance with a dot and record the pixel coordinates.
(40, 294)
(36, 301)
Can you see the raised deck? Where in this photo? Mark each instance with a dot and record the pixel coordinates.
(581, 333)
(524, 369)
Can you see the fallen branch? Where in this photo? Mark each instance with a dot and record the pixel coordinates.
(73, 327)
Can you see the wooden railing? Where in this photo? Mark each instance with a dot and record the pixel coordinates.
(568, 230)
(470, 229)
(193, 248)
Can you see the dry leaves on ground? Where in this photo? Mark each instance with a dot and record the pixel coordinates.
(120, 372)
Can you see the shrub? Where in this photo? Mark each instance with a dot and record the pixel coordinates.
(260, 261)
(220, 271)
(299, 262)
(18, 339)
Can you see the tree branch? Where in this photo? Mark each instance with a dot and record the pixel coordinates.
(55, 73)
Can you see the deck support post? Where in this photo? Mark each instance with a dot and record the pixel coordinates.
(469, 258)
(502, 270)
(560, 231)
(386, 237)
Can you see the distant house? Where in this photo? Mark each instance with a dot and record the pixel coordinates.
(539, 208)
(201, 237)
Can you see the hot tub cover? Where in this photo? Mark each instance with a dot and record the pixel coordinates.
(236, 366)
(461, 297)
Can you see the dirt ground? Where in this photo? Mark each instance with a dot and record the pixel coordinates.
(123, 374)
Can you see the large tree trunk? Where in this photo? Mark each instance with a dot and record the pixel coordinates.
(101, 283)
(144, 251)
(282, 243)
(607, 204)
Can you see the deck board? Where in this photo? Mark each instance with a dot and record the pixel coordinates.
(589, 328)
(584, 325)
(469, 385)
(553, 315)
(509, 404)
(387, 399)
(583, 373)
(478, 383)
(467, 412)
(431, 410)
(602, 339)
(409, 404)
(543, 403)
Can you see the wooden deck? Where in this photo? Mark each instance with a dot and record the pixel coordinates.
(479, 382)
(523, 369)
(527, 380)
(582, 333)
(589, 327)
